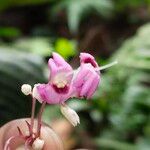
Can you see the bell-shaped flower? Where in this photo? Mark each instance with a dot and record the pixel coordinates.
(87, 78)
(86, 81)
(58, 89)
(70, 115)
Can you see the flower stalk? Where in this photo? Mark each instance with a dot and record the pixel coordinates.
(107, 66)
(40, 118)
(33, 113)
(31, 136)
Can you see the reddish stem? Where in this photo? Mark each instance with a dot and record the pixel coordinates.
(33, 113)
(27, 143)
(29, 127)
(40, 118)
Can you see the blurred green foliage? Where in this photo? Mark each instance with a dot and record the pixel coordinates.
(9, 32)
(76, 10)
(38, 45)
(125, 90)
(17, 68)
(9, 3)
(65, 47)
(121, 5)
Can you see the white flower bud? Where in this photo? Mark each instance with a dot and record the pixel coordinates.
(38, 144)
(26, 89)
(70, 114)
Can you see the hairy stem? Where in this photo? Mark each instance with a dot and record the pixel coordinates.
(40, 118)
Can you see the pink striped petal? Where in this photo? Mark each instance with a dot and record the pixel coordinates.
(58, 65)
(86, 81)
(94, 86)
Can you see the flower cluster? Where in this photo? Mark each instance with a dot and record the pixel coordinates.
(63, 84)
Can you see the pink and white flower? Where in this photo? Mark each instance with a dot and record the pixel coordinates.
(65, 83)
(59, 88)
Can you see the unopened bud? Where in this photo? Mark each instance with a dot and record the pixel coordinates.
(26, 89)
(38, 144)
(70, 114)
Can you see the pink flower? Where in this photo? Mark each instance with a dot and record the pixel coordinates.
(87, 79)
(58, 89)
(63, 85)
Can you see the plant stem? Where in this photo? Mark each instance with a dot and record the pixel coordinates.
(27, 143)
(32, 113)
(106, 66)
(40, 118)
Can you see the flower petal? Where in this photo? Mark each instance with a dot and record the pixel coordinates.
(88, 58)
(80, 77)
(52, 66)
(58, 65)
(86, 81)
(60, 60)
(36, 93)
(90, 86)
(46, 92)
